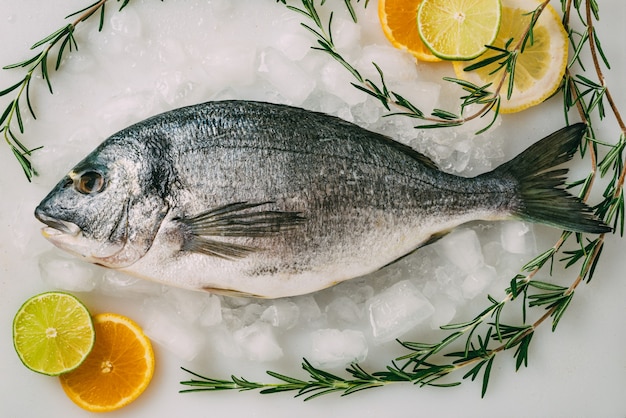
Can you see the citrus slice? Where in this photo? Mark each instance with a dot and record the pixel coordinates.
(53, 333)
(118, 369)
(458, 29)
(538, 70)
(398, 18)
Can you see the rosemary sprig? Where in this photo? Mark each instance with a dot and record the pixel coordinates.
(488, 100)
(485, 336)
(319, 383)
(65, 40)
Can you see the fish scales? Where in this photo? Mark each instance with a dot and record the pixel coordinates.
(269, 200)
(356, 179)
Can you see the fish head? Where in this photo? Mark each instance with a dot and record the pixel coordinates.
(105, 210)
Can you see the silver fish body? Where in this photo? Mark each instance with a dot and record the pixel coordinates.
(268, 200)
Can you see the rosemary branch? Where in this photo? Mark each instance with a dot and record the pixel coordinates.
(64, 38)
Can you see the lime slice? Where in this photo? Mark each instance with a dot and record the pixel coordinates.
(53, 333)
(458, 29)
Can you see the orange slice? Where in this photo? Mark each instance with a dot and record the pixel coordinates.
(398, 19)
(118, 369)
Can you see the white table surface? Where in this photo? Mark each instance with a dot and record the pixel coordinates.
(577, 371)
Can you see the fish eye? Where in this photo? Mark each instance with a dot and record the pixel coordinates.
(89, 182)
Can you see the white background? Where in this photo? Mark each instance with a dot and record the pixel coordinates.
(578, 371)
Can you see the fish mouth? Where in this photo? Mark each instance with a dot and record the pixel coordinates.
(57, 226)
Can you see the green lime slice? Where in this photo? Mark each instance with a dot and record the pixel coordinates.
(53, 333)
(458, 29)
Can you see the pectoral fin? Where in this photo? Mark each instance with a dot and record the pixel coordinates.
(241, 219)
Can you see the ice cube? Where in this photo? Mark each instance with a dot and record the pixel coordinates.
(395, 64)
(487, 152)
(445, 309)
(447, 278)
(477, 281)
(173, 87)
(230, 65)
(356, 289)
(463, 249)
(329, 104)
(493, 252)
(166, 328)
(397, 310)
(362, 293)
(116, 283)
(335, 348)
(222, 340)
(517, 237)
(123, 110)
(286, 76)
(441, 153)
(212, 313)
(251, 313)
(336, 80)
(345, 114)
(188, 304)
(237, 302)
(422, 94)
(430, 289)
(258, 342)
(343, 310)
(231, 318)
(346, 33)
(460, 161)
(295, 45)
(309, 308)
(282, 314)
(367, 112)
(66, 273)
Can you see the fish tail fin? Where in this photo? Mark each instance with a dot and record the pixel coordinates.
(541, 196)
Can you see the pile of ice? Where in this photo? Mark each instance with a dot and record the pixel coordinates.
(156, 57)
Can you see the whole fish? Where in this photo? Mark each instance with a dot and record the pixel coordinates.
(267, 200)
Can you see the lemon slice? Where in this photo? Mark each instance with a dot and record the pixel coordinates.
(539, 69)
(398, 19)
(53, 333)
(458, 29)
